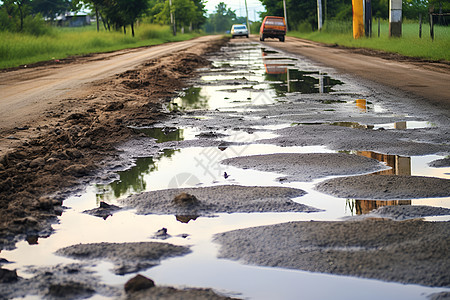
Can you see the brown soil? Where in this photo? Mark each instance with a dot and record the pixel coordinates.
(53, 145)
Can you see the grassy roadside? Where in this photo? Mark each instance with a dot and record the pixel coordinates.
(409, 44)
(21, 49)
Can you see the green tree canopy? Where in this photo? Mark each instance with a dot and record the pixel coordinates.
(222, 19)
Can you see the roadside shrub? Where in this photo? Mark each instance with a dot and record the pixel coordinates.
(36, 25)
(335, 26)
(153, 31)
(304, 26)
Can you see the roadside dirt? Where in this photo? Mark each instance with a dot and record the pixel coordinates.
(425, 79)
(52, 140)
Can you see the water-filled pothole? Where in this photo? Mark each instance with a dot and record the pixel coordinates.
(259, 82)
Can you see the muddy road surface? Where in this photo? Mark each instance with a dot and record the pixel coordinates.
(217, 169)
(426, 80)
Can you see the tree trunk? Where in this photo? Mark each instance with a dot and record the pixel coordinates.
(96, 16)
(20, 6)
(124, 29)
(132, 29)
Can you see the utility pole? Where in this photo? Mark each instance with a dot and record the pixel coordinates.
(395, 18)
(246, 13)
(319, 15)
(172, 19)
(285, 14)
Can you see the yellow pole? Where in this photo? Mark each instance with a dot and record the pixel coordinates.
(358, 18)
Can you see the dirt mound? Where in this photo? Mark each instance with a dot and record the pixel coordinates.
(386, 187)
(219, 199)
(127, 257)
(363, 248)
(309, 166)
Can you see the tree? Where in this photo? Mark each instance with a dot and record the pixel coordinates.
(118, 13)
(222, 19)
(20, 8)
(52, 8)
(185, 12)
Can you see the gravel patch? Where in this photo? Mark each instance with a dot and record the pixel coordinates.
(404, 212)
(170, 293)
(399, 142)
(386, 187)
(219, 199)
(440, 163)
(309, 166)
(127, 257)
(72, 281)
(408, 252)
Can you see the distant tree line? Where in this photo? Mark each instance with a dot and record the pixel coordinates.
(222, 18)
(112, 14)
(304, 12)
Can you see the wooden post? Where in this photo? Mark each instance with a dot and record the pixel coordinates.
(379, 25)
(368, 18)
(285, 15)
(319, 15)
(431, 27)
(246, 16)
(420, 26)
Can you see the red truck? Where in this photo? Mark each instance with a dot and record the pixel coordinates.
(272, 27)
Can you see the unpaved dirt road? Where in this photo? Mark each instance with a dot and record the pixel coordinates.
(75, 137)
(27, 93)
(424, 79)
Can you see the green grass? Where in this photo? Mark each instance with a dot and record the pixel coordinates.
(409, 44)
(21, 49)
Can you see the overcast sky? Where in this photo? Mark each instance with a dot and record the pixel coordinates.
(254, 6)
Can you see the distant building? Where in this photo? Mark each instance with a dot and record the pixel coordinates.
(74, 19)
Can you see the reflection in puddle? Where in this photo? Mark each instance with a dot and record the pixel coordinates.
(296, 81)
(360, 207)
(131, 181)
(400, 165)
(396, 125)
(192, 98)
(261, 79)
(165, 134)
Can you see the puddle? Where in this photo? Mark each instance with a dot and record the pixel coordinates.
(296, 81)
(200, 167)
(168, 134)
(403, 125)
(263, 80)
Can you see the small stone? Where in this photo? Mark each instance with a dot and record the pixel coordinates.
(69, 290)
(8, 276)
(38, 162)
(185, 199)
(138, 283)
(45, 203)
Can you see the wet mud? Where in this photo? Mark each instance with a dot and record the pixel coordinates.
(309, 166)
(69, 281)
(218, 199)
(385, 250)
(386, 187)
(127, 257)
(405, 212)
